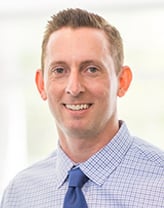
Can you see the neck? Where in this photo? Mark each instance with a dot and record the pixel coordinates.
(80, 149)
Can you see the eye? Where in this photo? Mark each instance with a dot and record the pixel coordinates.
(59, 71)
(92, 69)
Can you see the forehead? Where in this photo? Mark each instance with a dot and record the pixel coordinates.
(79, 31)
(79, 39)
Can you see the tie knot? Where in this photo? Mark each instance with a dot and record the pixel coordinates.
(77, 178)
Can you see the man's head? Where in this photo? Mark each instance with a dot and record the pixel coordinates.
(76, 18)
(80, 81)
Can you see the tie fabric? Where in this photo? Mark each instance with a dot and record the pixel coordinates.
(74, 197)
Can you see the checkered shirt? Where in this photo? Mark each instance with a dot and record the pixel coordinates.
(126, 173)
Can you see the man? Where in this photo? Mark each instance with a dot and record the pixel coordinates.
(82, 75)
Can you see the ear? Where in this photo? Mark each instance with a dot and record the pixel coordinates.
(40, 83)
(124, 79)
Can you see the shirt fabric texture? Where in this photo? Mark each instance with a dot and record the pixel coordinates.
(127, 173)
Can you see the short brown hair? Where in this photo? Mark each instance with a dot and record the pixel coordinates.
(76, 18)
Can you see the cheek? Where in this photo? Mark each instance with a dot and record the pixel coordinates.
(100, 89)
(53, 92)
(53, 100)
(105, 92)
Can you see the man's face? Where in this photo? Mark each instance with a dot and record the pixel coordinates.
(80, 81)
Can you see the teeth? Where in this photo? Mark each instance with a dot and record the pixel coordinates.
(77, 107)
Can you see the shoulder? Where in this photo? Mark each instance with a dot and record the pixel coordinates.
(34, 174)
(145, 157)
(148, 151)
(40, 168)
(140, 152)
(31, 183)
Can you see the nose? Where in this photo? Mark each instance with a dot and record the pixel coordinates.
(74, 85)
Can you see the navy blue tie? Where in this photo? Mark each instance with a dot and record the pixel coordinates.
(74, 197)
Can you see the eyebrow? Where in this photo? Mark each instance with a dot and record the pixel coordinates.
(56, 63)
(83, 63)
(92, 62)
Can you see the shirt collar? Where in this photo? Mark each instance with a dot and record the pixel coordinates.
(104, 162)
(100, 165)
(63, 165)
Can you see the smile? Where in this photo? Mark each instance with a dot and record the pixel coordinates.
(77, 107)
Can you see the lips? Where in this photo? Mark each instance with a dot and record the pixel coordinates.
(77, 107)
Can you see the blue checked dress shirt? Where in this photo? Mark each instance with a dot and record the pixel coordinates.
(126, 173)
